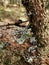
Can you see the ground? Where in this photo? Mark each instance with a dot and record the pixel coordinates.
(13, 53)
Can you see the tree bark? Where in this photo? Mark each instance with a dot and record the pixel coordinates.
(37, 9)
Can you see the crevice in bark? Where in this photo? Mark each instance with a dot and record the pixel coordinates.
(37, 10)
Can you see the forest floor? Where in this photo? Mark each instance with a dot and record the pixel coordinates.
(13, 53)
(12, 14)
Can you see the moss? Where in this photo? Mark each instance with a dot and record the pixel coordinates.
(17, 58)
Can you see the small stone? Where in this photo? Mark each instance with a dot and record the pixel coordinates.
(30, 60)
(13, 40)
(32, 48)
(1, 46)
(33, 40)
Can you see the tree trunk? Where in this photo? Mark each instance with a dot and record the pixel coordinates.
(37, 9)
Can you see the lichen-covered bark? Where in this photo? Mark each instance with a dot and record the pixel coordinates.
(37, 8)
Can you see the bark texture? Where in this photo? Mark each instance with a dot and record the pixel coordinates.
(37, 10)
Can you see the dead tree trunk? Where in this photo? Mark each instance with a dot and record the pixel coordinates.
(37, 8)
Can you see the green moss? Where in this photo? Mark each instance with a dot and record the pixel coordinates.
(17, 58)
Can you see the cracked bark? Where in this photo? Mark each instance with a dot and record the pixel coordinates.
(37, 8)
